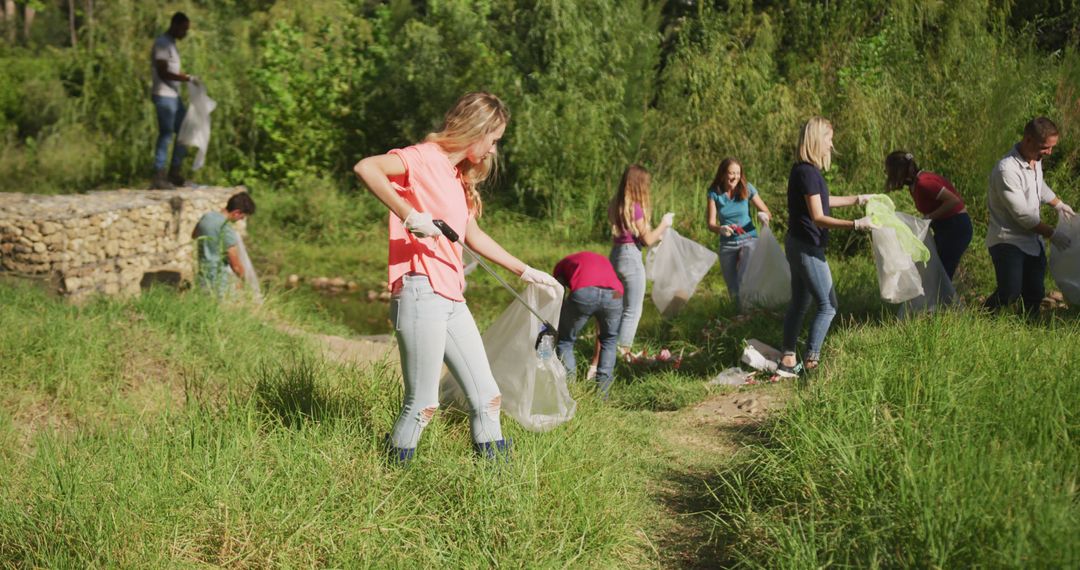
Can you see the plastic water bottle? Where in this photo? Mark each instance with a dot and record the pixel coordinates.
(546, 348)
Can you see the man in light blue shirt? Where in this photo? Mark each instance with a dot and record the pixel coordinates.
(1017, 191)
(217, 245)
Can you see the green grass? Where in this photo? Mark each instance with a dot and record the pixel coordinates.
(945, 441)
(170, 430)
(266, 456)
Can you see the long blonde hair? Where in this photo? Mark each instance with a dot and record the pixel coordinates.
(633, 188)
(474, 116)
(812, 147)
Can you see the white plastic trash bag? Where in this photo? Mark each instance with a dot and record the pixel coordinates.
(760, 356)
(251, 280)
(938, 289)
(1065, 264)
(733, 376)
(195, 130)
(675, 266)
(766, 277)
(896, 249)
(898, 278)
(533, 389)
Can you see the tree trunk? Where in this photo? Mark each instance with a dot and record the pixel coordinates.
(71, 23)
(10, 19)
(90, 24)
(28, 21)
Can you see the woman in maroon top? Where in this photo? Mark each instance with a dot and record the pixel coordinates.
(938, 201)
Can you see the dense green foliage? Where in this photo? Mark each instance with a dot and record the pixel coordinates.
(306, 90)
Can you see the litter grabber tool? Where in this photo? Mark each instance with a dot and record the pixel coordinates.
(547, 330)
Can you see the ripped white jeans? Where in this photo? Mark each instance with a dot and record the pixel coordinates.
(430, 329)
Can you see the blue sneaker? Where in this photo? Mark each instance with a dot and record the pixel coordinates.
(494, 449)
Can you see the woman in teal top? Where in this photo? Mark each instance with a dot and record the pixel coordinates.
(730, 196)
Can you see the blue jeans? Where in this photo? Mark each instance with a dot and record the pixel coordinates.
(1019, 276)
(810, 279)
(731, 254)
(170, 115)
(951, 238)
(431, 329)
(576, 310)
(626, 259)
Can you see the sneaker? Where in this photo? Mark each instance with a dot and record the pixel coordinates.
(397, 456)
(176, 178)
(161, 181)
(495, 450)
(789, 371)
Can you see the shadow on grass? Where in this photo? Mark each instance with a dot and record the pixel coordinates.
(292, 393)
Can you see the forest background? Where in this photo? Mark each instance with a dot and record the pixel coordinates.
(305, 89)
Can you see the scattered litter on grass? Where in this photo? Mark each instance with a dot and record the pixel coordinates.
(733, 376)
(662, 359)
(1054, 301)
(760, 356)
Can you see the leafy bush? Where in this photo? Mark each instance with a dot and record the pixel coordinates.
(306, 90)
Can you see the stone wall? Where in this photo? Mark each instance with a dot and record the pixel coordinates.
(111, 242)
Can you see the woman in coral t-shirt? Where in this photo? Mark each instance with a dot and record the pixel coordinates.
(938, 201)
(438, 179)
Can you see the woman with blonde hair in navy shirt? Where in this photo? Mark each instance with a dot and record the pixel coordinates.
(810, 219)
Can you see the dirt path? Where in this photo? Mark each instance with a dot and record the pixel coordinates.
(355, 350)
(694, 443)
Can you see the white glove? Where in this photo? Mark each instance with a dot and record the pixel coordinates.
(193, 79)
(764, 218)
(726, 231)
(1060, 240)
(419, 224)
(866, 224)
(1064, 210)
(538, 277)
(668, 219)
(864, 199)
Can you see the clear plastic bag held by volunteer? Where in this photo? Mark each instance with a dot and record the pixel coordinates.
(765, 279)
(938, 289)
(675, 266)
(195, 130)
(1065, 264)
(251, 280)
(533, 388)
(896, 249)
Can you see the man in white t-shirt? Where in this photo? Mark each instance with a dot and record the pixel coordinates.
(165, 67)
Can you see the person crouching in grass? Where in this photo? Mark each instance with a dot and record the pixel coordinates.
(594, 291)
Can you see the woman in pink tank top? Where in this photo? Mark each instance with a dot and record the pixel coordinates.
(629, 213)
(439, 179)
